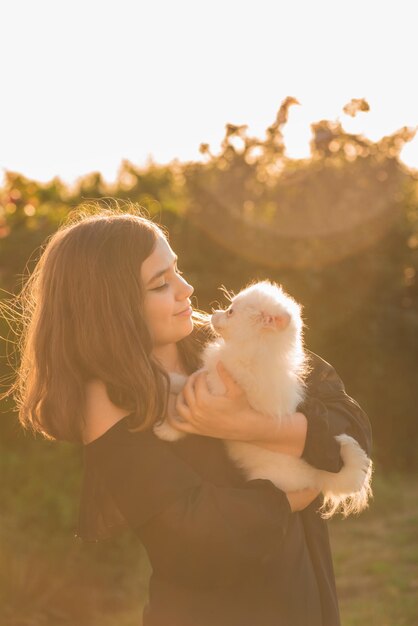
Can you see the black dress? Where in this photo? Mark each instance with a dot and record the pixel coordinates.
(224, 551)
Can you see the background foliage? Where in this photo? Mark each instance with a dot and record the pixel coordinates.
(338, 230)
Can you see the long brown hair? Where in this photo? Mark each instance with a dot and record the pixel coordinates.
(82, 318)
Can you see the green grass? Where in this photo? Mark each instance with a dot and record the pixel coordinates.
(376, 557)
(55, 580)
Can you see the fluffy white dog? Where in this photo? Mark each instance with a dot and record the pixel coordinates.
(261, 345)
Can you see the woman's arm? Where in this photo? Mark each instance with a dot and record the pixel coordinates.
(310, 432)
(230, 416)
(188, 524)
(287, 438)
(331, 411)
(326, 412)
(212, 534)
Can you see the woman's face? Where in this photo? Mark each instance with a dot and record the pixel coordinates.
(166, 296)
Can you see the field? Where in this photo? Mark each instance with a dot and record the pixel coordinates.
(376, 557)
(71, 584)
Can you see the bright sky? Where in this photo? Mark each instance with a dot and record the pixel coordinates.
(87, 83)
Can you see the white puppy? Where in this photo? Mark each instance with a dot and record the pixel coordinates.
(261, 345)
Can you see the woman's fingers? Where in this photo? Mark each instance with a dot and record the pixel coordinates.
(299, 500)
(182, 408)
(189, 392)
(182, 416)
(190, 402)
(201, 388)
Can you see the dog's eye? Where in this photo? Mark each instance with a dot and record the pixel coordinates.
(229, 312)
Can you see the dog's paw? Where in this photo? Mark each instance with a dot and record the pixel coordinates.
(354, 457)
(177, 382)
(166, 432)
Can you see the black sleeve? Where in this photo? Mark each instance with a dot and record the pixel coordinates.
(192, 529)
(330, 412)
(212, 534)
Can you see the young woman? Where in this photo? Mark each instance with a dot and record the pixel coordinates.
(108, 314)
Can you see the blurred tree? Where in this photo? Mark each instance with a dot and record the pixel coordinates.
(339, 230)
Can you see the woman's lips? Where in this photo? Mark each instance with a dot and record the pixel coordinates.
(186, 313)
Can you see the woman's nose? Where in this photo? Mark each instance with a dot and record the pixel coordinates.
(186, 289)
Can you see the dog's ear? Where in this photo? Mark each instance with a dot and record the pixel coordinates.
(274, 322)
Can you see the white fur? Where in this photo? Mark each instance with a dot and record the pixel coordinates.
(261, 345)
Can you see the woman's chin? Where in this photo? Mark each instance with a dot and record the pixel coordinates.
(187, 327)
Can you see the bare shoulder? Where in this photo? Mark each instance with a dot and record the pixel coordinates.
(101, 414)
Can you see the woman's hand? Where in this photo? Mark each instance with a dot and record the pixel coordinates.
(299, 500)
(225, 417)
(231, 417)
(289, 437)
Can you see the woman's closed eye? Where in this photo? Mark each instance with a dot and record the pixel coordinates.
(161, 287)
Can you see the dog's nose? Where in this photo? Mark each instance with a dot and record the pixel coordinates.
(215, 318)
